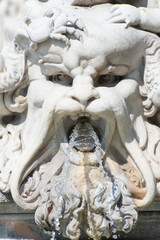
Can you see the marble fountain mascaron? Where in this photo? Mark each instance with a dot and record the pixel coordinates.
(79, 120)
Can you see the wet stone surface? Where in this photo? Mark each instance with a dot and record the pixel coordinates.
(83, 137)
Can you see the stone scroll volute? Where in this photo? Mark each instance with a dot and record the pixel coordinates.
(79, 119)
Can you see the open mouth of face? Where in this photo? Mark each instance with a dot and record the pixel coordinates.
(83, 134)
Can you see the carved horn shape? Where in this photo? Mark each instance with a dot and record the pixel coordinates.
(115, 107)
(41, 138)
(17, 177)
(129, 141)
(27, 158)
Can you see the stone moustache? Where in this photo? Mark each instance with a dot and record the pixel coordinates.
(78, 86)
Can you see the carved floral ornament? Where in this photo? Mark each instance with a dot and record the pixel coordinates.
(80, 97)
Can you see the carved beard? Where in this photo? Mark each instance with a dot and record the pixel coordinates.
(82, 192)
(99, 204)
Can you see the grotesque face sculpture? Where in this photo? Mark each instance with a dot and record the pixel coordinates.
(84, 153)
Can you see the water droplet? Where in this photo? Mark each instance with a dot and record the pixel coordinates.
(85, 139)
(82, 137)
(57, 224)
(114, 236)
(53, 236)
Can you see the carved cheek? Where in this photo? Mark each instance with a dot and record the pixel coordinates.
(128, 89)
(68, 105)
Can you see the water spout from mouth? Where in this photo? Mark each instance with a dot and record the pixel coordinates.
(84, 138)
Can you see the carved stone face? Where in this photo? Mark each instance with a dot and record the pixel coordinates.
(84, 139)
(87, 114)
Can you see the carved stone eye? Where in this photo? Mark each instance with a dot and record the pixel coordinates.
(62, 79)
(108, 80)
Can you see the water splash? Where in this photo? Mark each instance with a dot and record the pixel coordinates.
(99, 157)
(58, 213)
(115, 191)
(53, 236)
(85, 139)
(59, 205)
(115, 236)
(114, 230)
(57, 218)
(57, 223)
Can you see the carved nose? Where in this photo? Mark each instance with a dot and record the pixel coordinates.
(84, 94)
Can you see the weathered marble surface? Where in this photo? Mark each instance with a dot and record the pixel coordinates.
(79, 113)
